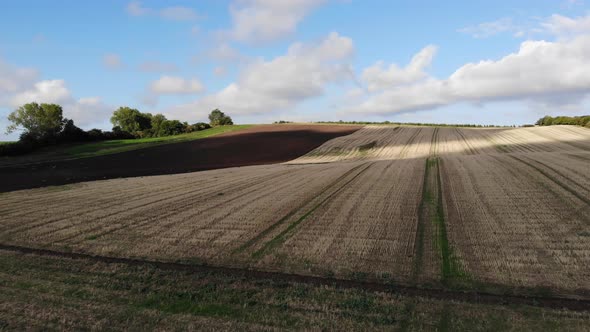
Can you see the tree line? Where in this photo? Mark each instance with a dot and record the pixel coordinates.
(547, 120)
(44, 124)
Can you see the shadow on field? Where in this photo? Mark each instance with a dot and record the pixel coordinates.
(255, 146)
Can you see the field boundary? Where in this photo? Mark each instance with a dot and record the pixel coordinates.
(412, 291)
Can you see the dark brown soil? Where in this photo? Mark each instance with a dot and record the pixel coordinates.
(265, 144)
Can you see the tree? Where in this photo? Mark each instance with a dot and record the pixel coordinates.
(39, 121)
(131, 120)
(171, 127)
(156, 122)
(218, 118)
(71, 133)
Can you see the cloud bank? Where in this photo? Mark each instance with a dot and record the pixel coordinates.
(539, 69)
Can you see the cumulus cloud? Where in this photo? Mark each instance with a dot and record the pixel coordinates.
(19, 86)
(256, 21)
(87, 112)
(13, 79)
(112, 61)
(169, 85)
(378, 77)
(174, 13)
(279, 84)
(157, 67)
(540, 69)
(84, 111)
(49, 91)
(223, 52)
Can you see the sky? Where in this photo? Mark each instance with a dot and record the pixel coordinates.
(260, 61)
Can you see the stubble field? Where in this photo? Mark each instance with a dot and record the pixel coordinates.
(490, 209)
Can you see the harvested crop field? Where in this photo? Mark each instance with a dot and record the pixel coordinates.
(257, 145)
(56, 293)
(393, 143)
(496, 210)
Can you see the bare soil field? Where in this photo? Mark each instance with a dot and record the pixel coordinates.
(258, 145)
(501, 210)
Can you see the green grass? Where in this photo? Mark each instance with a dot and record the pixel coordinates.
(6, 142)
(122, 145)
(85, 150)
(75, 294)
(452, 272)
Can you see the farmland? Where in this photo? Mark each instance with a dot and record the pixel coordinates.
(43, 293)
(233, 147)
(498, 210)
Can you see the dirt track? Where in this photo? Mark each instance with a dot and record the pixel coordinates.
(265, 144)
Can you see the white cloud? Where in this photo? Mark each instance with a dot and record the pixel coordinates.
(19, 86)
(540, 69)
(88, 112)
(112, 61)
(84, 111)
(224, 53)
(377, 77)
(157, 67)
(256, 21)
(565, 26)
(169, 85)
(554, 25)
(488, 29)
(279, 84)
(14, 79)
(174, 13)
(49, 91)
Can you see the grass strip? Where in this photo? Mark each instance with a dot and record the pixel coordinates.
(122, 145)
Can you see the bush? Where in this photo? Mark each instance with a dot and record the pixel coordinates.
(71, 133)
(218, 118)
(171, 127)
(197, 127)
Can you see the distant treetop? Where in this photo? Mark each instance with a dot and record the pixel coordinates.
(547, 120)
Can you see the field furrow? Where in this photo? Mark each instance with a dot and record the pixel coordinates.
(367, 229)
(513, 226)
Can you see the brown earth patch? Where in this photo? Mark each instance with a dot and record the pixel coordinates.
(264, 144)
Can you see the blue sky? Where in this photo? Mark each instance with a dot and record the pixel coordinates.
(501, 62)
